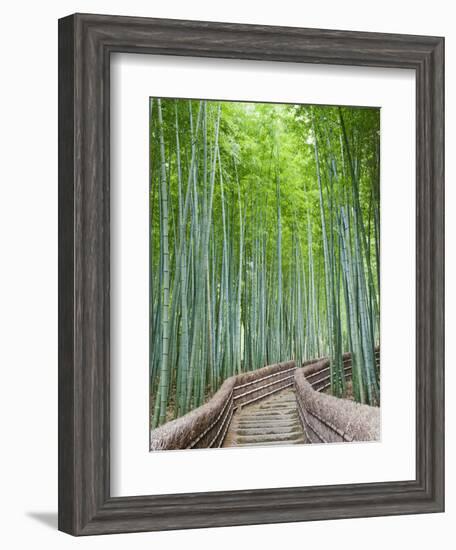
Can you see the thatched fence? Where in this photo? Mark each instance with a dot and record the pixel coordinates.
(317, 373)
(328, 419)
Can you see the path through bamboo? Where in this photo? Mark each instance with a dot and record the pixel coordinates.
(276, 405)
(272, 421)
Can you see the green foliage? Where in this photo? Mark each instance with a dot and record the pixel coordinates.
(264, 244)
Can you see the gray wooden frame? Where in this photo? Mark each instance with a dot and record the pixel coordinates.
(85, 45)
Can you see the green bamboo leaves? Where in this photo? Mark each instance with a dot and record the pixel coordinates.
(264, 245)
(348, 266)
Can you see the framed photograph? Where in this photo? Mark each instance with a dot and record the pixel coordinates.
(251, 274)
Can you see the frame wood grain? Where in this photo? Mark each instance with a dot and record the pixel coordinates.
(85, 45)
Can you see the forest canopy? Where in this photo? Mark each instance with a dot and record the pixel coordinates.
(264, 244)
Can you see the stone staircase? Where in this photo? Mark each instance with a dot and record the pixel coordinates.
(271, 421)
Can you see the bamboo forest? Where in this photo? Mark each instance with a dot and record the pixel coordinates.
(264, 251)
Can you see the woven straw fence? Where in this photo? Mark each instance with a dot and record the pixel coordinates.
(328, 419)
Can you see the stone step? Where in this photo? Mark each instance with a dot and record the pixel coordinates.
(270, 443)
(288, 436)
(267, 431)
(268, 414)
(283, 418)
(277, 407)
(273, 400)
(290, 401)
(264, 423)
(273, 420)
